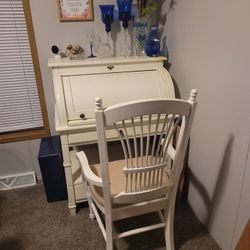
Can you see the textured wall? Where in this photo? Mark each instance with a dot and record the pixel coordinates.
(209, 50)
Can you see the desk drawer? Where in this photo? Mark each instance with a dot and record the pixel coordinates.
(108, 68)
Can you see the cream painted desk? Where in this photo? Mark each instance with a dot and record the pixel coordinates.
(78, 82)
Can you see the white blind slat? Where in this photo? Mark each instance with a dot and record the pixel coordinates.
(19, 100)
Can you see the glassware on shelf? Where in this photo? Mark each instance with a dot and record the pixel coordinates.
(140, 32)
(92, 42)
(107, 15)
(124, 15)
(124, 8)
(91, 45)
(107, 12)
(152, 47)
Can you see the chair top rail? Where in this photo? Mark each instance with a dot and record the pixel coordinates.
(137, 108)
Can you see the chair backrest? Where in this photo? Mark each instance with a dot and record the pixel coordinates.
(145, 129)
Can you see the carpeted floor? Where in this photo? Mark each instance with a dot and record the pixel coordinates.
(27, 221)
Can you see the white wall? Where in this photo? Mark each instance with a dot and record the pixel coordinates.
(244, 208)
(209, 50)
(19, 157)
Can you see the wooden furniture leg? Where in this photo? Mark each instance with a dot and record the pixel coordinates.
(68, 174)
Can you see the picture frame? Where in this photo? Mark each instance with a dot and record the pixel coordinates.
(75, 10)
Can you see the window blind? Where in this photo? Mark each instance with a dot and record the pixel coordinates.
(19, 100)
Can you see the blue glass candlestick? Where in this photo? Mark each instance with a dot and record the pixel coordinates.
(124, 8)
(124, 15)
(107, 12)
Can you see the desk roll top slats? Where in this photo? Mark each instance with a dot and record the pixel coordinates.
(115, 80)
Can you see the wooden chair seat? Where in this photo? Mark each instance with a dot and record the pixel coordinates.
(117, 180)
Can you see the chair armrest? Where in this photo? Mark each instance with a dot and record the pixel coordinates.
(88, 173)
(171, 151)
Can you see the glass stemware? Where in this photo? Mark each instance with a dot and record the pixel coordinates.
(107, 12)
(107, 15)
(124, 9)
(91, 38)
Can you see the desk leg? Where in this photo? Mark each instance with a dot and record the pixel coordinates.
(68, 174)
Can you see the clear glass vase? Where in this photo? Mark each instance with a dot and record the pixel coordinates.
(140, 32)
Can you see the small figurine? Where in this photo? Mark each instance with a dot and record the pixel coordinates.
(75, 52)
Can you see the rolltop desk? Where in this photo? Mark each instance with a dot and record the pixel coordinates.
(115, 80)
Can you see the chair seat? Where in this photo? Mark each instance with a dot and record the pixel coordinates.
(117, 180)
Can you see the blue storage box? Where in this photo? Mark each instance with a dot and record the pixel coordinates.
(51, 165)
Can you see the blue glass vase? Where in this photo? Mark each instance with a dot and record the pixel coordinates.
(152, 47)
(107, 12)
(124, 8)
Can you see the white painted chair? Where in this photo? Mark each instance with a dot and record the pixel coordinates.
(144, 181)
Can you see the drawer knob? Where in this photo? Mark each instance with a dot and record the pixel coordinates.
(110, 67)
(82, 116)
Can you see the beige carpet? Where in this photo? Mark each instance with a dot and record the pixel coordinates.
(27, 221)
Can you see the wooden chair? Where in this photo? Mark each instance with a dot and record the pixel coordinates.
(144, 181)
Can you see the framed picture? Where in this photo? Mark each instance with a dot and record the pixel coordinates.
(75, 10)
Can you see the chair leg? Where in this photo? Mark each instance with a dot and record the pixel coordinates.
(109, 244)
(169, 229)
(109, 235)
(90, 201)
